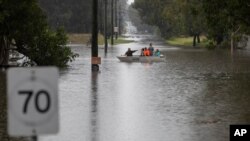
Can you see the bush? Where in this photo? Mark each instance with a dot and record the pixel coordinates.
(210, 45)
(50, 49)
(225, 44)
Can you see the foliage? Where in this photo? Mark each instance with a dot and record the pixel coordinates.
(74, 15)
(50, 49)
(186, 41)
(210, 45)
(225, 17)
(217, 19)
(151, 13)
(24, 25)
(173, 17)
(136, 20)
(225, 44)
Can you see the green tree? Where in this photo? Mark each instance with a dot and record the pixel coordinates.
(152, 13)
(136, 20)
(24, 26)
(226, 18)
(194, 19)
(74, 15)
(173, 17)
(221, 20)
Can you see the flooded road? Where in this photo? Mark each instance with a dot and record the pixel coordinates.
(194, 95)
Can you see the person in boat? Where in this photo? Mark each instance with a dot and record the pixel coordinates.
(146, 52)
(142, 52)
(157, 53)
(130, 52)
(151, 49)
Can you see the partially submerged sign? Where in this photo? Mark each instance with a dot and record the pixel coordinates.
(32, 101)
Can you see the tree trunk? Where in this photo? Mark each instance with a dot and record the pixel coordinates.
(194, 40)
(232, 42)
(219, 39)
(232, 39)
(4, 51)
(198, 38)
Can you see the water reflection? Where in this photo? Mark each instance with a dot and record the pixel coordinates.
(94, 106)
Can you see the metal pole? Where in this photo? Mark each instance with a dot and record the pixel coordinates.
(105, 26)
(94, 50)
(112, 22)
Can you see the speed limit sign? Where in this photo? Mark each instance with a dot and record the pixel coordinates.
(32, 101)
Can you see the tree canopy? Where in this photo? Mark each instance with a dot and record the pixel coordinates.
(74, 15)
(23, 26)
(216, 18)
(173, 17)
(136, 20)
(226, 16)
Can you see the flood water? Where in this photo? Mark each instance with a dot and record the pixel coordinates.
(194, 95)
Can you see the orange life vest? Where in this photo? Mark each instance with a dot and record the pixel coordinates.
(146, 52)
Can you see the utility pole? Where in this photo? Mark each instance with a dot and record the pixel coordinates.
(120, 20)
(105, 26)
(95, 60)
(112, 22)
(101, 25)
(116, 32)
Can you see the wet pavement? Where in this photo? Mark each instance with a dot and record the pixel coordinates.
(194, 95)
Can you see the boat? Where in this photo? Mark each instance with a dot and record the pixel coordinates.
(142, 59)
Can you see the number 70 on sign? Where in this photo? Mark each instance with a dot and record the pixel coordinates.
(32, 101)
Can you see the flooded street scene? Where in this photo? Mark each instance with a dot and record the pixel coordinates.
(193, 90)
(190, 96)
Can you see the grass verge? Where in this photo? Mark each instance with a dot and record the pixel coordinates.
(81, 38)
(186, 41)
(120, 41)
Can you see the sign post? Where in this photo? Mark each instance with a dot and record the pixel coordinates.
(32, 101)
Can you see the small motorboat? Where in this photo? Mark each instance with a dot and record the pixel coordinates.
(143, 59)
